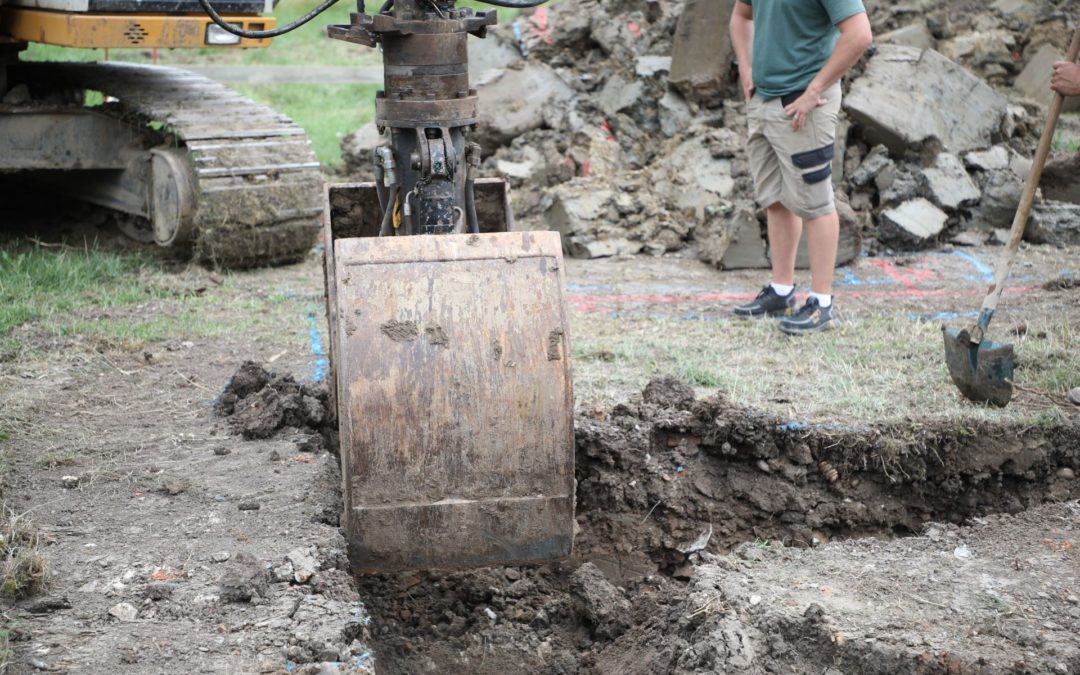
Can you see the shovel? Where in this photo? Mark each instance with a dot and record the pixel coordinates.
(983, 369)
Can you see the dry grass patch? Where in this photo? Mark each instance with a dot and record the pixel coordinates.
(22, 566)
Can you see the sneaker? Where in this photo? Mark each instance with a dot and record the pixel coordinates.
(811, 318)
(768, 303)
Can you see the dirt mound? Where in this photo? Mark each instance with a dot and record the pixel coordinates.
(683, 506)
(260, 404)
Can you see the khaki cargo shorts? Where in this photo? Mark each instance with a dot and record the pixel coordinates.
(793, 167)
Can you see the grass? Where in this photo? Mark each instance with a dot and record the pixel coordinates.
(876, 368)
(22, 567)
(39, 284)
(326, 112)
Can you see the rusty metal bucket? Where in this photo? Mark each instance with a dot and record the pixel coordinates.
(451, 362)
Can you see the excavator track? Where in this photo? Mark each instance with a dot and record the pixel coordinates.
(259, 186)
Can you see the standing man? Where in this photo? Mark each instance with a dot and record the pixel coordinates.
(792, 54)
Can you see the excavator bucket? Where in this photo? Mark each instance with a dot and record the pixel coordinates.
(450, 355)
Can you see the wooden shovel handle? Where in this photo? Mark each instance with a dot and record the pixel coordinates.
(1016, 234)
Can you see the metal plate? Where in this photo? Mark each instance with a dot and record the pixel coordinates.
(454, 400)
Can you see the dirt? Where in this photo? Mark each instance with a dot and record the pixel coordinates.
(712, 536)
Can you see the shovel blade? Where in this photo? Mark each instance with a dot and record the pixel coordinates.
(982, 372)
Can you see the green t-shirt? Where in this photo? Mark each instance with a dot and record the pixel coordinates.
(793, 39)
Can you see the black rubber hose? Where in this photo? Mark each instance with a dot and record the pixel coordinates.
(470, 207)
(387, 228)
(380, 186)
(260, 34)
(514, 4)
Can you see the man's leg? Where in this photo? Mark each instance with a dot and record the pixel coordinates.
(822, 241)
(785, 229)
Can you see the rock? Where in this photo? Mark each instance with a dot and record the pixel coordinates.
(159, 590)
(221, 451)
(1033, 83)
(244, 580)
(875, 163)
(994, 159)
(701, 55)
(220, 556)
(575, 206)
(1065, 473)
(588, 248)
(674, 113)
(1001, 192)
(174, 485)
(732, 237)
(988, 52)
(69, 482)
(691, 178)
(907, 97)
(851, 239)
(915, 35)
(513, 102)
(912, 225)
(604, 605)
(124, 612)
(17, 95)
(619, 94)
(1056, 223)
(282, 573)
(947, 183)
(248, 506)
(1061, 179)
(303, 563)
(522, 171)
(969, 238)
(647, 66)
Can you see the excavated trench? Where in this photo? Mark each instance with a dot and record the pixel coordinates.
(666, 485)
(676, 499)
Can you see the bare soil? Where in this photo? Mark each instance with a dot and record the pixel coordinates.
(713, 536)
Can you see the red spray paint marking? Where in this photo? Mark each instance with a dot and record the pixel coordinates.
(539, 20)
(906, 280)
(634, 29)
(607, 130)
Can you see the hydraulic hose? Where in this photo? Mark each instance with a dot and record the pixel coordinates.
(260, 34)
(387, 228)
(470, 206)
(380, 186)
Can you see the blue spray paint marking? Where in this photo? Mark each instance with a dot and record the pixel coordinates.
(943, 316)
(851, 280)
(587, 287)
(321, 362)
(985, 272)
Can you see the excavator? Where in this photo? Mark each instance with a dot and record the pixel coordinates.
(449, 338)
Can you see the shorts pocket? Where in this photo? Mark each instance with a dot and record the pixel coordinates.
(815, 177)
(812, 158)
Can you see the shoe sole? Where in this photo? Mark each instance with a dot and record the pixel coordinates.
(827, 326)
(774, 314)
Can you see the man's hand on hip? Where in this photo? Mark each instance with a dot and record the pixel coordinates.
(800, 110)
(1066, 78)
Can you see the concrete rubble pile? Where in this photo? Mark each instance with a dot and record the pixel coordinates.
(619, 123)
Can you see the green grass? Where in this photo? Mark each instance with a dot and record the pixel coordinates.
(38, 284)
(327, 112)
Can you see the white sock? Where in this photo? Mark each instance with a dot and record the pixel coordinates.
(823, 300)
(782, 290)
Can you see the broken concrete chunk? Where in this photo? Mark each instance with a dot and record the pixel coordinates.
(587, 247)
(1061, 179)
(575, 206)
(303, 563)
(701, 56)
(732, 240)
(647, 66)
(995, 158)
(1056, 223)
(514, 103)
(876, 162)
(619, 94)
(908, 97)
(916, 35)
(692, 178)
(1001, 192)
(948, 184)
(912, 225)
(675, 115)
(124, 612)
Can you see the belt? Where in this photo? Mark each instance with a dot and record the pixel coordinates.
(788, 99)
